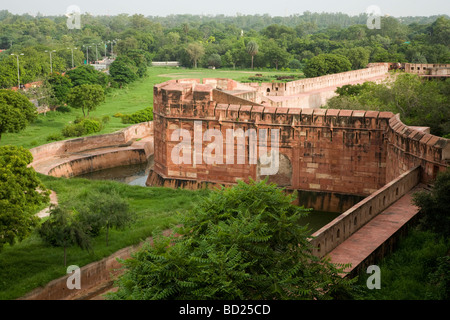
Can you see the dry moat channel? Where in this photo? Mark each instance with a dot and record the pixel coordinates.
(136, 175)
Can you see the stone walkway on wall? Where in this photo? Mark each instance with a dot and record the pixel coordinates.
(376, 232)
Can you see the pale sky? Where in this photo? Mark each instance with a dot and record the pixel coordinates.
(228, 7)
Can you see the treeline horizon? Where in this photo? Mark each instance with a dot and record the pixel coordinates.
(242, 42)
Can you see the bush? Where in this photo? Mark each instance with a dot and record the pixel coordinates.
(55, 137)
(138, 117)
(63, 109)
(91, 126)
(105, 119)
(72, 130)
(82, 127)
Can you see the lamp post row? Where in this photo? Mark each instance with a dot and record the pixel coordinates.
(51, 51)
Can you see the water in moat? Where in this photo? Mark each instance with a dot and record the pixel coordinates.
(136, 175)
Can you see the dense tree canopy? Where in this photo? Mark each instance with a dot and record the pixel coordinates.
(420, 102)
(193, 40)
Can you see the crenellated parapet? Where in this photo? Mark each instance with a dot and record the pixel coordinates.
(345, 151)
(411, 146)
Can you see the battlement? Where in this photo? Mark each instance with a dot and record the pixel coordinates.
(344, 151)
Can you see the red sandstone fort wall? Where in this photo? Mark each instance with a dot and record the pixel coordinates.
(344, 151)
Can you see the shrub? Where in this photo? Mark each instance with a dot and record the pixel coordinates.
(63, 109)
(91, 126)
(83, 127)
(72, 130)
(55, 137)
(105, 119)
(139, 116)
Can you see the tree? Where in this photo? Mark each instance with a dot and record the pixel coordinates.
(275, 54)
(252, 49)
(195, 52)
(87, 74)
(63, 230)
(105, 211)
(326, 63)
(21, 192)
(214, 60)
(243, 242)
(435, 205)
(140, 60)
(86, 97)
(16, 111)
(123, 71)
(358, 57)
(60, 85)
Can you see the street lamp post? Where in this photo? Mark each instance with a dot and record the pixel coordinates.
(72, 55)
(105, 47)
(87, 53)
(18, 70)
(96, 53)
(51, 64)
(112, 46)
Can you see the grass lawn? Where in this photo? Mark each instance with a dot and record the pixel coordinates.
(137, 96)
(30, 263)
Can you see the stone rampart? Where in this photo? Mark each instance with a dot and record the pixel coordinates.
(321, 150)
(87, 154)
(408, 147)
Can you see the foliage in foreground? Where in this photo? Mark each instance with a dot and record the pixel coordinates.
(243, 242)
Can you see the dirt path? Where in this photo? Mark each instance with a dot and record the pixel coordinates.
(53, 201)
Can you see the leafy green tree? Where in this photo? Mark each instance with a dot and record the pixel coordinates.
(419, 102)
(123, 71)
(252, 49)
(275, 54)
(21, 192)
(195, 52)
(326, 64)
(243, 242)
(358, 57)
(106, 211)
(214, 60)
(87, 74)
(86, 97)
(16, 111)
(140, 60)
(63, 230)
(8, 72)
(60, 85)
(440, 31)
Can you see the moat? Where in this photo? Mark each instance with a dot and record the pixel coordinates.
(136, 175)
